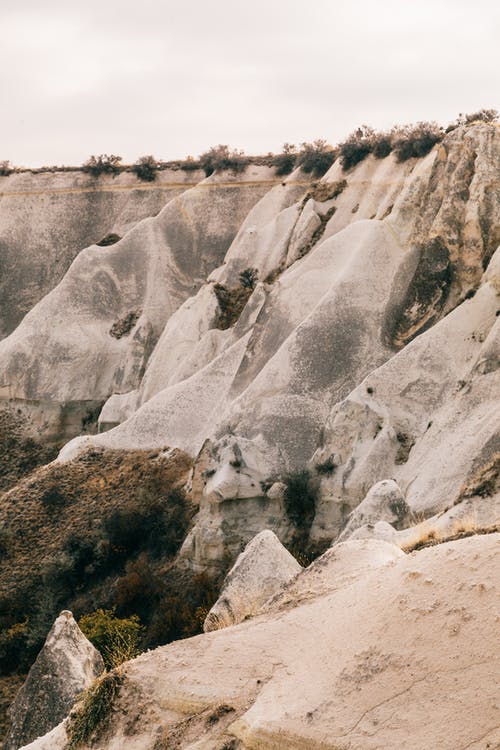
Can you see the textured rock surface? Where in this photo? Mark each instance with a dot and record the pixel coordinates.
(260, 571)
(353, 666)
(369, 343)
(384, 502)
(47, 218)
(67, 665)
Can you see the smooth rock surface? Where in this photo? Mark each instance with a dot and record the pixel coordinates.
(260, 571)
(354, 667)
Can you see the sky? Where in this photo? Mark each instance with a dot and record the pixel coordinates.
(135, 77)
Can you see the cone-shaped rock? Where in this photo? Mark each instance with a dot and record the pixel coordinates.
(260, 571)
(67, 664)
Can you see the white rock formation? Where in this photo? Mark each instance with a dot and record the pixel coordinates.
(355, 666)
(67, 664)
(384, 502)
(260, 571)
(379, 345)
(46, 218)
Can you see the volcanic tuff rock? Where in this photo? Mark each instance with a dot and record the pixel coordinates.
(48, 217)
(260, 571)
(349, 662)
(369, 343)
(67, 664)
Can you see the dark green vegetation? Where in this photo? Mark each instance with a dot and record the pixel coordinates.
(315, 158)
(146, 168)
(100, 532)
(300, 500)
(222, 157)
(102, 164)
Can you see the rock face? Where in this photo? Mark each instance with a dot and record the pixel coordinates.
(48, 217)
(361, 343)
(384, 502)
(67, 664)
(352, 665)
(259, 572)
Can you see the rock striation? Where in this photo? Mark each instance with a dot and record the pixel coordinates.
(346, 326)
(67, 664)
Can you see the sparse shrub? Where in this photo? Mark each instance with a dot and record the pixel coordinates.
(159, 526)
(116, 638)
(326, 467)
(109, 239)
(316, 158)
(231, 304)
(182, 608)
(300, 498)
(248, 278)
(415, 141)
(382, 145)
(326, 191)
(103, 164)
(146, 168)
(52, 497)
(356, 147)
(483, 115)
(285, 162)
(222, 157)
(5, 168)
(92, 714)
(12, 643)
(123, 326)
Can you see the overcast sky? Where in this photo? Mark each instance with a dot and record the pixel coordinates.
(173, 77)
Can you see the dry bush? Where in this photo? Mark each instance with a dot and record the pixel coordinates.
(117, 639)
(326, 191)
(286, 160)
(102, 164)
(356, 147)
(146, 168)
(415, 141)
(6, 168)
(222, 157)
(72, 558)
(91, 715)
(316, 158)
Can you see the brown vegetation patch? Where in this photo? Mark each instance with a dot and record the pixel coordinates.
(123, 326)
(485, 482)
(8, 689)
(231, 304)
(326, 191)
(70, 530)
(429, 537)
(19, 454)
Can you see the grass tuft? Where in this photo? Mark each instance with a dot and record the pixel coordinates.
(92, 714)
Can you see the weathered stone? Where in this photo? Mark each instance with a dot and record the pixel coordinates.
(259, 572)
(67, 664)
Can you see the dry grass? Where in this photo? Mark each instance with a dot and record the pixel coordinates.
(430, 536)
(92, 714)
(8, 689)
